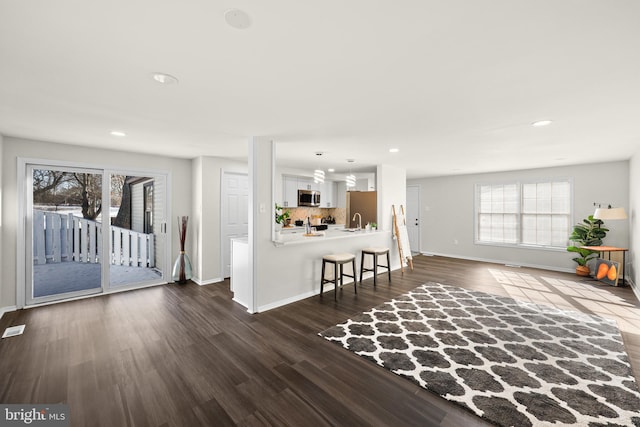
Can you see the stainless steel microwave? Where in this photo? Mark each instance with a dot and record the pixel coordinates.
(308, 198)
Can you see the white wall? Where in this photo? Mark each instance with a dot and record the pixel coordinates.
(633, 212)
(13, 148)
(2, 193)
(391, 182)
(448, 212)
(196, 219)
(206, 245)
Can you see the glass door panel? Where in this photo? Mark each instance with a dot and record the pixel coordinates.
(136, 244)
(64, 233)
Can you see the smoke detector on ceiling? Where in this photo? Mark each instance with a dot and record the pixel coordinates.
(237, 18)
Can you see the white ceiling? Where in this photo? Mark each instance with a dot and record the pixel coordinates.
(453, 84)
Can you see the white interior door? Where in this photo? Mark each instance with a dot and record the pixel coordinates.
(413, 216)
(235, 213)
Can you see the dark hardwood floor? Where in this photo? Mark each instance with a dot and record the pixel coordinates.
(188, 355)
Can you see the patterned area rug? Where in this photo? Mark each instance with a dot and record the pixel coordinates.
(510, 362)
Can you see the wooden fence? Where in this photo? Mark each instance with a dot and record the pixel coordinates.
(67, 238)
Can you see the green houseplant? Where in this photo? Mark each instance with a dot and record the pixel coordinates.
(281, 215)
(587, 233)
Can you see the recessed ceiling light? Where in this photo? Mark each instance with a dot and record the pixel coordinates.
(541, 123)
(331, 170)
(237, 19)
(118, 133)
(165, 79)
(394, 150)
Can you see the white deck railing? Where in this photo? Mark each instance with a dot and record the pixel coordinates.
(67, 238)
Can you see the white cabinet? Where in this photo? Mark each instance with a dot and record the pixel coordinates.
(341, 194)
(328, 194)
(291, 184)
(365, 184)
(290, 191)
(240, 285)
(305, 183)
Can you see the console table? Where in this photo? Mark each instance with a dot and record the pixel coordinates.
(609, 249)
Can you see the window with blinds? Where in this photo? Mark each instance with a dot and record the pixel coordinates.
(531, 214)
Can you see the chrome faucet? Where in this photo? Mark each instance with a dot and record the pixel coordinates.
(359, 219)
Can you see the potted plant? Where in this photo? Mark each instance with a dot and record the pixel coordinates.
(587, 233)
(281, 215)
(281, 218)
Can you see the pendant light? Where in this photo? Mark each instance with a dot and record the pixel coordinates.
(318, 176)
(351, 178)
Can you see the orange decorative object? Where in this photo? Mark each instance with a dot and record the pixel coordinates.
(613, 273)
(603, 270)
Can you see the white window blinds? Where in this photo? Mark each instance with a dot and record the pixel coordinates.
(532, 214)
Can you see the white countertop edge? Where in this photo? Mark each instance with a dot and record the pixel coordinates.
(332, 236)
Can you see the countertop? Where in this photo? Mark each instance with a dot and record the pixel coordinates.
(299, 236)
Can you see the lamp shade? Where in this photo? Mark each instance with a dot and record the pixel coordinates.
(610, 213)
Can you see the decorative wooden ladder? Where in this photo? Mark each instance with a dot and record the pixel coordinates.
(402, 238)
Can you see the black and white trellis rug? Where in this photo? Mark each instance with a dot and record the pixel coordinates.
(512, 363)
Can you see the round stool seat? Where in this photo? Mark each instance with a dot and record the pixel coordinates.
(375, 250)
(345, 257)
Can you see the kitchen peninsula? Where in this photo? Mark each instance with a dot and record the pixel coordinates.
(301, 279)
(282, 274)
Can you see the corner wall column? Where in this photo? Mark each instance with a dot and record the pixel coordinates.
(261, 169)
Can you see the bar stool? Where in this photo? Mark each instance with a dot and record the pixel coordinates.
(375, 253)
(338, 261)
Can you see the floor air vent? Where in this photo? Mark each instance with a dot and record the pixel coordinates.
(13, 331)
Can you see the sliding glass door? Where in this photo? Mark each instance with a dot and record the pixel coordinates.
(137, 241)
(65, 233)
(91, 231)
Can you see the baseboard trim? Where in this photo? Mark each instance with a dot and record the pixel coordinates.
(509, 264)
(328, 287)
(634, 288)
(243, 304)
(290, 300)
(200, 282)
(8, 309)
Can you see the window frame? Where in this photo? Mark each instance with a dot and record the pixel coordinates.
(519, 214)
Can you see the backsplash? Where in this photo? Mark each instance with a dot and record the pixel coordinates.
(339, 214)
